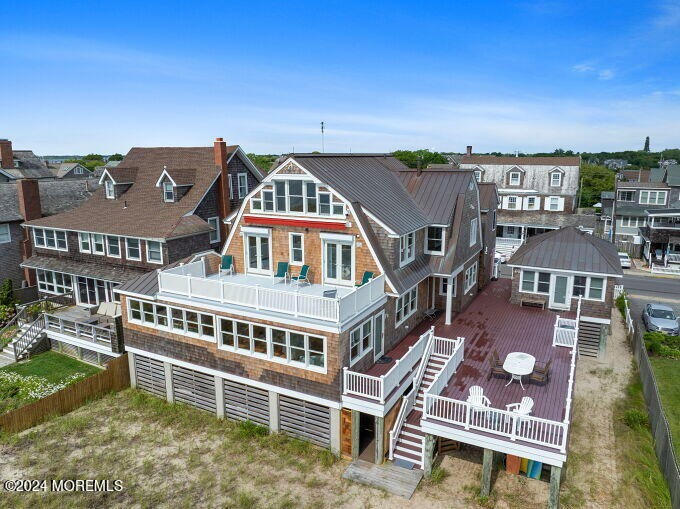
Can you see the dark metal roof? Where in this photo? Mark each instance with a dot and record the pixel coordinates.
(146, 284)
(569, 249)
(540, 219)
(116, 274)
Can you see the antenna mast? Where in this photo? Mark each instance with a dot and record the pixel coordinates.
(323, 148)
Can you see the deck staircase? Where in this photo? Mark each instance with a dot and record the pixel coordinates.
(589, 336)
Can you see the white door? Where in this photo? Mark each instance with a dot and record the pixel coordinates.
(258, 253)
(338, 266)
(379, 336)
(560, 292)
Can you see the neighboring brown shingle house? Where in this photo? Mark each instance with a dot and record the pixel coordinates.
(140, 219)
(21, 164)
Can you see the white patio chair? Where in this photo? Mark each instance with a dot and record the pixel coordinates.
(522, 409)
(477, 398)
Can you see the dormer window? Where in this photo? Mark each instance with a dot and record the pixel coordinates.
(109, 189)
(514, 178)
(434, 242)
(555, 179)
(168, 192)
(478, 175)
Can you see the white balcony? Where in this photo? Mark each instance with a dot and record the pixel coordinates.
(261, 293)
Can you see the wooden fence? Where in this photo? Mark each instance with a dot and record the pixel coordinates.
(114, 378)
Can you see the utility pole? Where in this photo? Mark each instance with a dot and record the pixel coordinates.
(613, 228)
(323, 148)
(580, 193)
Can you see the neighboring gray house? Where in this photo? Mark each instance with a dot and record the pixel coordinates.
(21, 164)
(99, 170)
(71, 171)
(23, 200)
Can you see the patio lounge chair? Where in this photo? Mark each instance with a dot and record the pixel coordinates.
(302, 277)
(541, 373)
(227, 264)
(368, 275)
(477, 398)
(281, 272)
(496, 366)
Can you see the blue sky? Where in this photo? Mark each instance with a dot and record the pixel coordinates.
(501, 75)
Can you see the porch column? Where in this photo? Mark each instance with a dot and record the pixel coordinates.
(487, 467)
(379, 440)
(274, 412)
(133, 373)
(428, 454)
(523, 234)
(169, 393)
(355, 434)
(449, 300)
(554, 496)
(219, 397)
(335, 431)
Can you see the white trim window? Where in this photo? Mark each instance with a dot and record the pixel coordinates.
(113, 246)
(296, 248)
(84, 244)
(50, 239)
(231, 187)
(5, 236)
(133, 250)
(470, 277)
(588, 287)
(360, 341)
(109, 189)
(434, 240)
(474, 228)
(258, 251)
(556, 179)
(626, 196)
(214, 223)
(444, 286)
(407, 248)
(511, 202)
(242, 185)
(535, 282)
(653, 197)
(514, 178)
(154, 252)
(478, 175)
(78, 170)
(406, 305)
(554, 203)
(97, 243)
(168, 192)
(531, 203)
(53, 282)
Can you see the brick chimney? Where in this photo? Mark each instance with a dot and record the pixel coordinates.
(468, 151)
(28, 195)
(223, 205)
(6, 154)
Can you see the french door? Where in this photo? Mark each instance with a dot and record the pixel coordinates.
(258, 253)
(379, 336)
(338, 263)
(92, 292)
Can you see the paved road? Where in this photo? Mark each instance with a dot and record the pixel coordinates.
(644, 289)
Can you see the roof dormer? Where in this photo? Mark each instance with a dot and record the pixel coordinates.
(117, 181)
(175, 184)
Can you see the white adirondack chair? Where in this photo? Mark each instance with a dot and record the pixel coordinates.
(477, 398)
(522, 409)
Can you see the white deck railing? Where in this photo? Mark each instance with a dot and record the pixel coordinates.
(565, 332)
(379, 387)
(618, 290)
(189, 280)
(79, 330)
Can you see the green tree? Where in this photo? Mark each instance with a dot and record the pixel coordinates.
(594, 180)
(411, 158)
(646, 149)
(7, 293)
(263, 161)
(116, 157)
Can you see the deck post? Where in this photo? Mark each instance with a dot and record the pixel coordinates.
(428, 454)
(336, 439)
(169, 393)
(449, 300)
(133, 373)
(274, 412)
(554, 496)
(355, 434)
(379, 440)
(487, 467)
(219, 397)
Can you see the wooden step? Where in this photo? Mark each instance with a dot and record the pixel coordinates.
(414, 429)
(411, 436)
(409, 456)
(409, 446)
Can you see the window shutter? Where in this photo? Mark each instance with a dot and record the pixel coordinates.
(505, 202)
(546, 205)
(560, 204)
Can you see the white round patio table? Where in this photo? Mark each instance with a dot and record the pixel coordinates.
(519, 364)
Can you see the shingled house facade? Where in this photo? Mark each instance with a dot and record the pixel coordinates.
(157, 206)
(382, 246)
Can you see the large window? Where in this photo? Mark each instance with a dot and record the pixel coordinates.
(338, 262)
(154, 253)
(407, 304)
(298, 197)
(113, 246)
(470, 277)
(434, 241)
(474, 227)
(214, 223)
(53, 282)
(653, 197)
(407, 248)
(50, 239)
(360, 340)
(588, 287)
(297, 249)
(633, 221)
(535, 282)
(242, 184)
(132, 249)
(5, 236)
(258, 253)
(626, 196)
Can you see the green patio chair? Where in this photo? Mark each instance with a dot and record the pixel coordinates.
(227, 264)
(368, 275)
(302, 277)
(281, 272)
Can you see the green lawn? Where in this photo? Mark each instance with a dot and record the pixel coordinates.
(54, 367)
(668, 380)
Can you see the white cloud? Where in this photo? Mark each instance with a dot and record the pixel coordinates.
(669, 16)
(583, 68)
(605, 74)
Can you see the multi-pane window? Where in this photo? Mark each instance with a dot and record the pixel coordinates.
(653, 197)
(298, 196)
(168, 192)
(325, 204)
(257, 252)
(53, 282)
(633, 221)
(407, 304)
(268, 201)
(588, 287)
(626, 196)
(554, 203)
(512, 202)
(179, 320)
(444, 285)
(109, 189)
(407, 248)
(531, 203)
(280, 189)
(113, 246)
(474, 226)
(434, 242)
(310, 196)
(338, 262)
(5, 236)
(50, 239)
(478, 175)
(154, 254)
(556, 179)
(84, 242)
(514, 178)
(297, 252)
(535, 282)
(133, 250)
(214, 223)
(360, 340)
(470, 277)
(242, 184)
(97, 243)
(296, 202)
